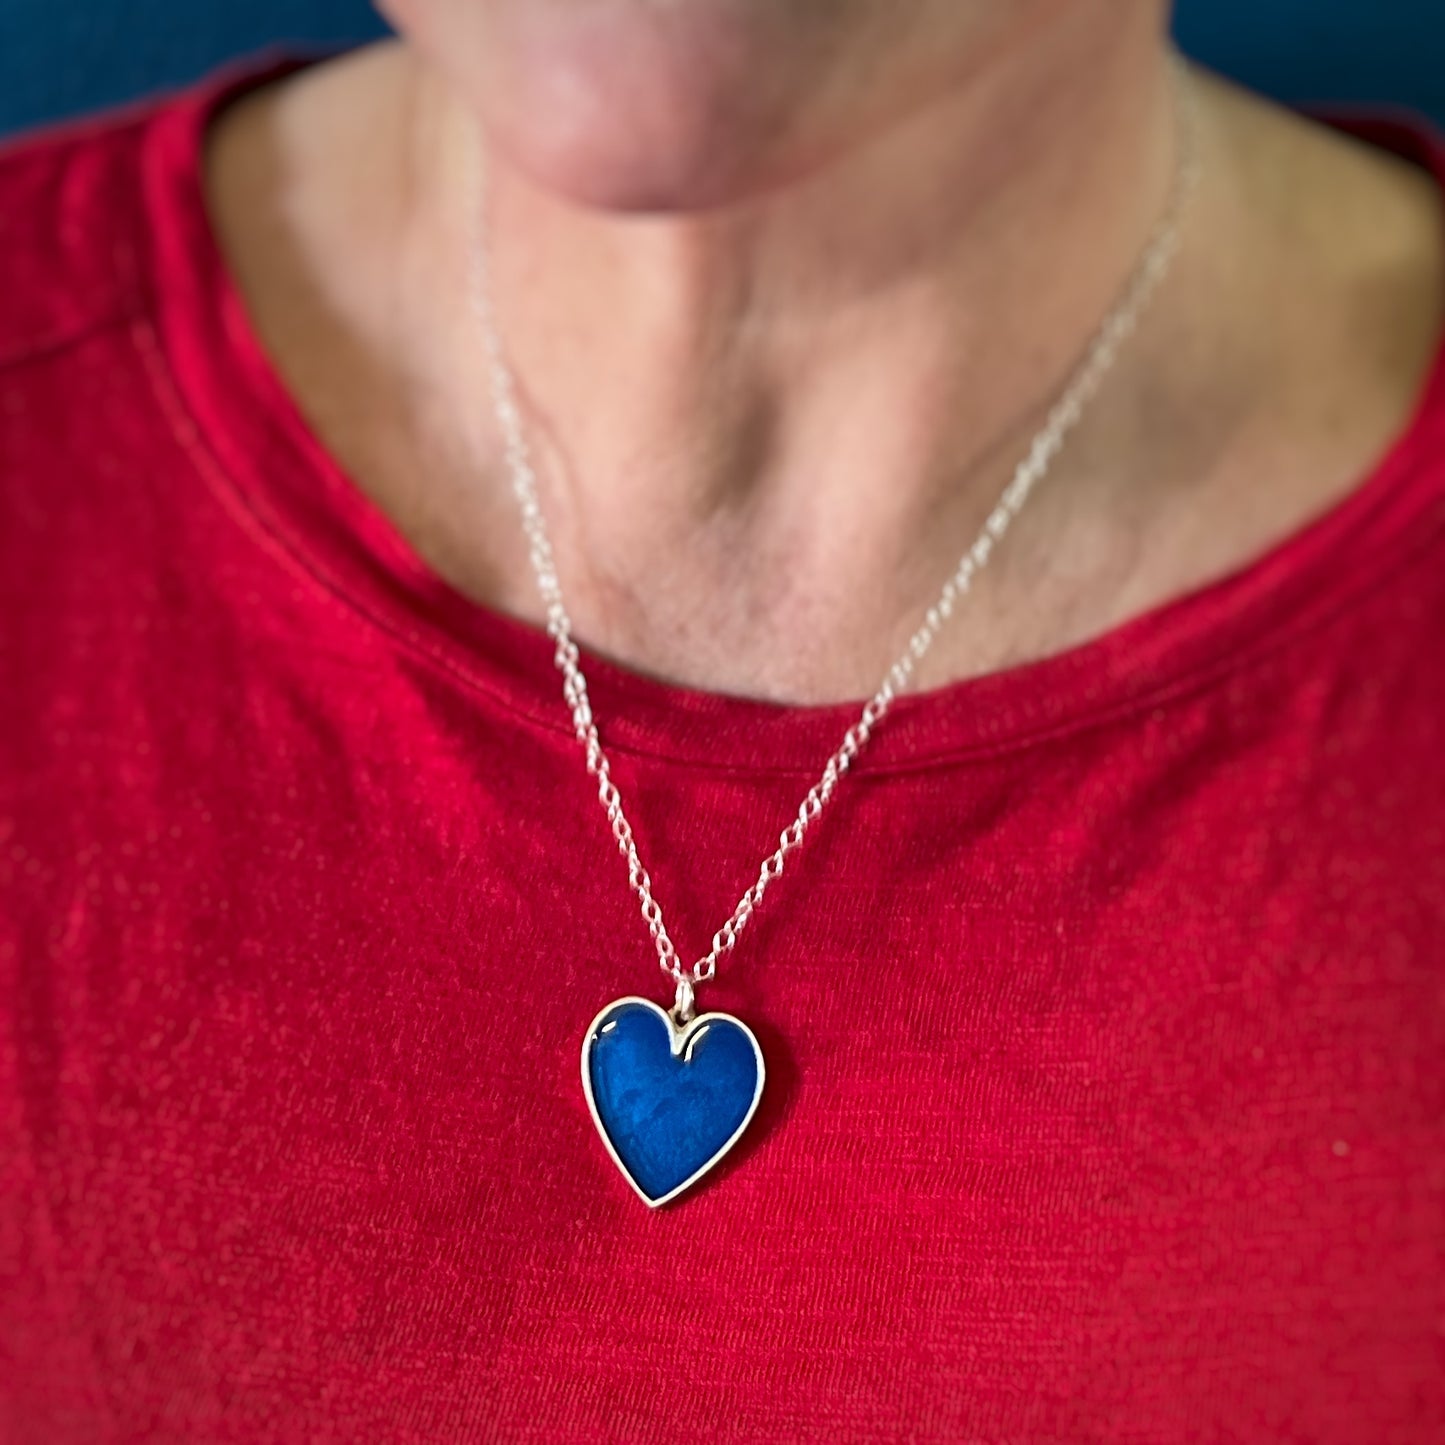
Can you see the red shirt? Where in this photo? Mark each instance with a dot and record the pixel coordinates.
(1103, 1011)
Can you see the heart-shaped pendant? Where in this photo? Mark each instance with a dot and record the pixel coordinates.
(669, 1101)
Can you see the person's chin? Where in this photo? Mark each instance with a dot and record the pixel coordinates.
(614, 166)
(634, 117)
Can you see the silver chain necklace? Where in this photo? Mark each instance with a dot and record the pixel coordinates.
(671, 1091)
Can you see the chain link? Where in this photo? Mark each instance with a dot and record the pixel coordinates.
(1083, 383)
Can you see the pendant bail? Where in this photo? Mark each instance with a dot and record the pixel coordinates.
(682, 1008)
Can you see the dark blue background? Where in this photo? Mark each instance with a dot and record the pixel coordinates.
(60, 56)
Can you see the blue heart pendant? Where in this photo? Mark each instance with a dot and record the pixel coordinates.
(669, 1101)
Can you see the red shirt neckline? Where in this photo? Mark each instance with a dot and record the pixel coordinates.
(255, 448)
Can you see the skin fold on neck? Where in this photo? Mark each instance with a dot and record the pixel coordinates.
(767, 431)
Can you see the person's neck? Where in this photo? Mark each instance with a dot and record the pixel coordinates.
(805, 402)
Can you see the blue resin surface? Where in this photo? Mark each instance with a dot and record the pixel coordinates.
(668, 1116)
